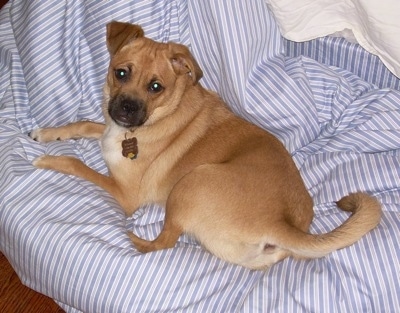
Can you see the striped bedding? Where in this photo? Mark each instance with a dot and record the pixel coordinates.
(334, 106)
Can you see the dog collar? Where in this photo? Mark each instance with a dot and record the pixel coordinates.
(130, 148)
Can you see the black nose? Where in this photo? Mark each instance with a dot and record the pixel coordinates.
(127, 111)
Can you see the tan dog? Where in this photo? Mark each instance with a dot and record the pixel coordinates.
(167, 140)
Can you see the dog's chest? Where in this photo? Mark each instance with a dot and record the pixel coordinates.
(141, 177)
(111, 147)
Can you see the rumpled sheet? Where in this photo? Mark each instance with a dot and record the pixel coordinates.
(67, 238)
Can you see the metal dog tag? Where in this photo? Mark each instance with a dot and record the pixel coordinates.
(130, 148)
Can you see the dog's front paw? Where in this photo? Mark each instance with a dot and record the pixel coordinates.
(44, 161)
(63, 164)
(45, 134)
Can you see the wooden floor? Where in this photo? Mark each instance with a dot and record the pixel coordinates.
(16, 298)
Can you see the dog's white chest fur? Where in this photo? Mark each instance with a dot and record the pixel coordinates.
(111, 146)
(145, 173)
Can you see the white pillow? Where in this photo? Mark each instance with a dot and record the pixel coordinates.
(374, 24)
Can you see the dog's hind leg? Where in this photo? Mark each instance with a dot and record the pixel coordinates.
(172, 228)
(165, 240)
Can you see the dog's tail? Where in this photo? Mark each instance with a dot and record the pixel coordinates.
(366, 214)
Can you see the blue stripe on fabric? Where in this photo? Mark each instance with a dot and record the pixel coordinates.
(352, 58)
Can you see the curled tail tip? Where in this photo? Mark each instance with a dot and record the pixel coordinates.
(358, 200)
(368, 207)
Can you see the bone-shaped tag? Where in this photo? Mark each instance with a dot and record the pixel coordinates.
(130, 148)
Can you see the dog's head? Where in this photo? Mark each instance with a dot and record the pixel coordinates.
(146, 78)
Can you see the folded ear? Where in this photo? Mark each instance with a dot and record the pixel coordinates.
(183, 62)
(119, 34)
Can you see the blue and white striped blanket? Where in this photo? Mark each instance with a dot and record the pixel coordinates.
(67, 238)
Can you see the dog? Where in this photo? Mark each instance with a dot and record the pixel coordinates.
(167, 140)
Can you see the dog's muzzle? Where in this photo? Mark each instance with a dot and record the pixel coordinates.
(127, 111)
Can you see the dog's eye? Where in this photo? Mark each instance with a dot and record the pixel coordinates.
(155, 87)
(121, 74)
